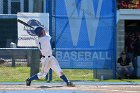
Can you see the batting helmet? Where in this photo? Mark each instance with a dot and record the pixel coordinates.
(38, 31)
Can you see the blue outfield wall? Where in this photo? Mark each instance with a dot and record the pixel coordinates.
(85, 33)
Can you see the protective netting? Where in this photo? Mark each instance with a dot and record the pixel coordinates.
(13, 62)
(73, 25)
(84, 29)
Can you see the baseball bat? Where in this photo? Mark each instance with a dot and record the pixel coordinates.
(24, 23)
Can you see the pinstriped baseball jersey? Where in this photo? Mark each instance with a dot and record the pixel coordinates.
(44, 45)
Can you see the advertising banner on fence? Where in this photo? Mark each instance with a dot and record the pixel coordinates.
(85, 33)
(26, 37)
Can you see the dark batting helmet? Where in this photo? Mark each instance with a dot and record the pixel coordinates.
(38, 31)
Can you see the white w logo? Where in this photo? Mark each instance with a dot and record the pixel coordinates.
(86, 9)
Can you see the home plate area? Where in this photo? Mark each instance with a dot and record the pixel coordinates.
(59, 87)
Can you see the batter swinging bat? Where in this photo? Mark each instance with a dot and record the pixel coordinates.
(24, 23)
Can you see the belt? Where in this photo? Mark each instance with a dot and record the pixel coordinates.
(48, 56)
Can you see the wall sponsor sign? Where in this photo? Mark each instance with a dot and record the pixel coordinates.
(85, 33)
(26, 36)
(84, 58)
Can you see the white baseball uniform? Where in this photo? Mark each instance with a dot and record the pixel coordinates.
(48, 61)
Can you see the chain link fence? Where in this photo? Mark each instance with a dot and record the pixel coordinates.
(15, 62)
(17, 66)
(20, 62)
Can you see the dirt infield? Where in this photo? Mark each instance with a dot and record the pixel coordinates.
(91, 88)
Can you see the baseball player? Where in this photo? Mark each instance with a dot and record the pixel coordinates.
(48, 60)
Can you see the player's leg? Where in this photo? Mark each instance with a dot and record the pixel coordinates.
(56, 68)
(44, 70)
(28, 81)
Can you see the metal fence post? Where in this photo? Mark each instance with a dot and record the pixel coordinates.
(13, 61)
(49, 76)
(29, 58)
(35, 62)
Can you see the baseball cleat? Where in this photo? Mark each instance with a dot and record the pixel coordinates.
(28, 82)
(70, 84)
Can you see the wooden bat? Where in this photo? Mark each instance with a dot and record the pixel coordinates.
(24, 23)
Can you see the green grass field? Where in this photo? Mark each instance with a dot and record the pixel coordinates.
(20, 74)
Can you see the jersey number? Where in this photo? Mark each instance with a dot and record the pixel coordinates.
(40, 45)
